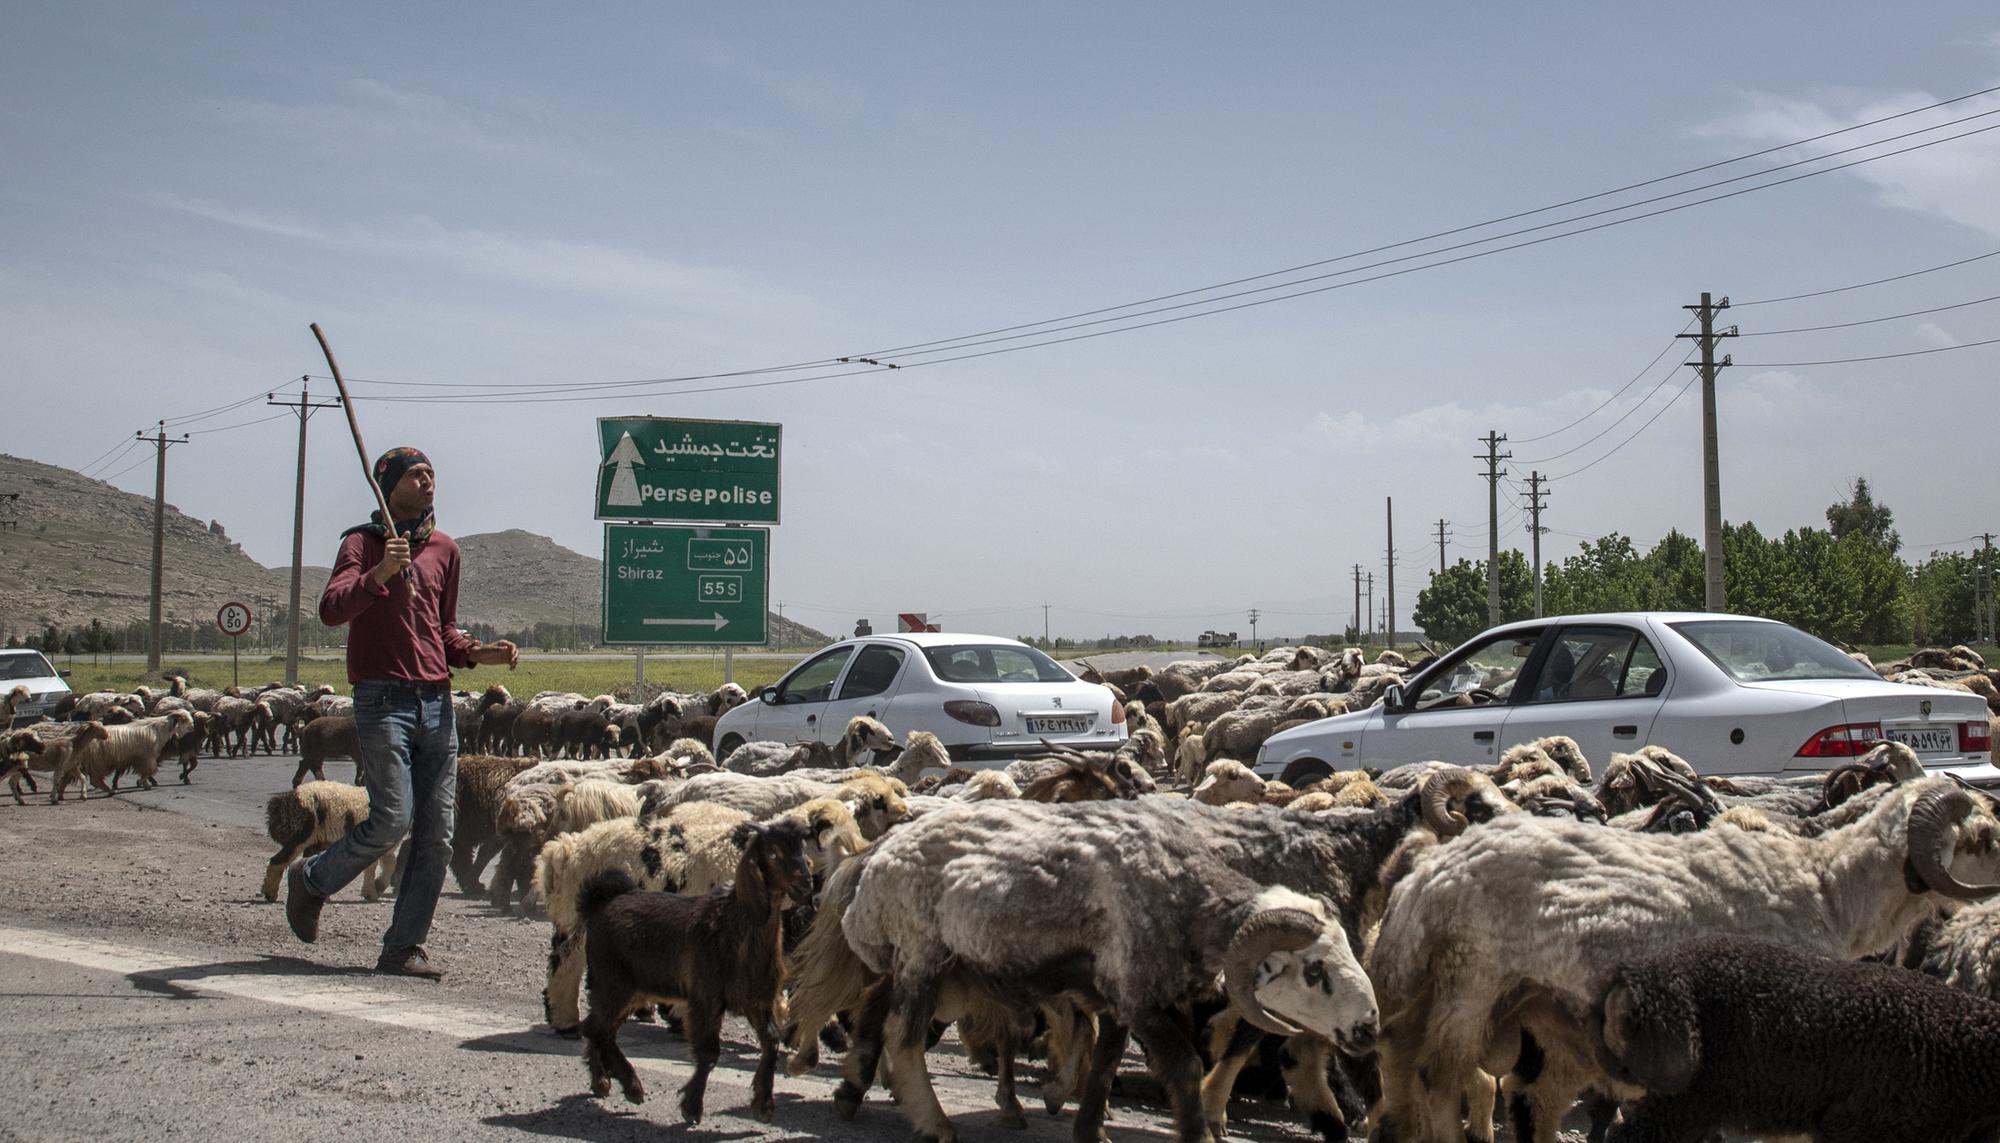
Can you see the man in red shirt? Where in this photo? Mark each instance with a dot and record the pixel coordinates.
(395, 582)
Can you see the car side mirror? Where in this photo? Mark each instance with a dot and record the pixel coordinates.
(1392, 698)
(62, 674)
(768, 696)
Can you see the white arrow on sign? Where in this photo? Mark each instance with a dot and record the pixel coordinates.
(624, 484)
(717, 623)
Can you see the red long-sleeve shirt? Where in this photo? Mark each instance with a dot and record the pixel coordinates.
(397, 633)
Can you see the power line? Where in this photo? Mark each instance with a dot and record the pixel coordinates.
(969, 341)
(1635, 432)
(1876, 282)
(1636, 406)
(1613, 397)
(238, 425)
(1873, 321)
(111, 458)
(1877, 357)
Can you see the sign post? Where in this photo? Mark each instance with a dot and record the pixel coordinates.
(233, 619)
(662, 468)
(677, 586)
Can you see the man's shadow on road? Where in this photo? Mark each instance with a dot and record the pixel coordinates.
(164, 981)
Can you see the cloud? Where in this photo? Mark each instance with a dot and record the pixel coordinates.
(581, 267)
(1953, 180)
(818, 97)
(1935, 336)
(369, 109)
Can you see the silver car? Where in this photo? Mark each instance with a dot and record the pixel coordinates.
(988, 699)
(1731, 694)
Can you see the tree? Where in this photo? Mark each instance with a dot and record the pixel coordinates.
(1452, 608)
(1860, 513)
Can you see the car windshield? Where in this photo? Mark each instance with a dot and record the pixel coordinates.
(1768, 652)
(994, 663)
(28, 666)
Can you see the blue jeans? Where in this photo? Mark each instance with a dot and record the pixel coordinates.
(409, 765)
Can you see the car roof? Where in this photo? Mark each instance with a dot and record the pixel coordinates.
(1633, 617)
(937, 638)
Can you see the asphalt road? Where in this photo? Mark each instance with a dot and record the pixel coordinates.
(149, 992)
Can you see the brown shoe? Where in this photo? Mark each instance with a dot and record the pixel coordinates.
(408, 962)
(302, 905)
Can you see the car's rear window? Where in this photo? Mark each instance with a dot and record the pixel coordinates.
(994, 663)
(28, 666)
(1769, 652)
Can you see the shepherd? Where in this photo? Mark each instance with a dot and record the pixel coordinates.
(395, 582)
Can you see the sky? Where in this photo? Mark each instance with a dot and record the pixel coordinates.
(491, 202)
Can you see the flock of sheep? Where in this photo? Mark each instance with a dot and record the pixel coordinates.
(1425, 950)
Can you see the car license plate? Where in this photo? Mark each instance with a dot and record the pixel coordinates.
(1925, 740)
(1063, 724)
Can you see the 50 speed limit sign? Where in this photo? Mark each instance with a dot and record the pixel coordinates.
(233, 618)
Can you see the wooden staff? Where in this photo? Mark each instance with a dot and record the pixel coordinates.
(361, 450)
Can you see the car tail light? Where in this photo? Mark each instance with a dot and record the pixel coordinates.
(1117, 713)
(1849, 741)
(1975, 738)
(973, 713)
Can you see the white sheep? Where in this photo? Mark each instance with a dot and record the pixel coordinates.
(135, 746)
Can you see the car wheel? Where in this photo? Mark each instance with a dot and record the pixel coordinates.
(728, 747)
(1304, 772)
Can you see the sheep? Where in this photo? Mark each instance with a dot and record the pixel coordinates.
(766, 759)
(134, 746)
(1191, 754)
(1122, 768)
(1226, 781)
(1725, 1033)
(237, 716)
(10, 702)
(715, 953)
(584, 733)
(533, 813)
(1472, 969)
(307, 818)
(482, 783)
(979, 785)
(25, 750)
(187, 745)
(1079, 780)
(1141, 934)
(862, 735)
(1239, 733)
(1964, 952)
(1144, 751)
(1338, 861)
(1200, 707)
(692, 849)
(93, 706)
(287, 705)
(324, 737)
(630, 771)
(877, 800)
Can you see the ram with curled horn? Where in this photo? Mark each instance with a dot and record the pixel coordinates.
(1554, 906)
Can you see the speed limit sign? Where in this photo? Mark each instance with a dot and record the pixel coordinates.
(233, 619)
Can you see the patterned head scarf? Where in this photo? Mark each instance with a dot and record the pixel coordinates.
(390, 468)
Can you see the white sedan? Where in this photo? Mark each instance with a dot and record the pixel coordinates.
(1731, 694)
(989, 700)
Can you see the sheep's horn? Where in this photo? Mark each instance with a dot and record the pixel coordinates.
(1696, 795)
(1273, 930)
(1437, 792)
(1930, 818)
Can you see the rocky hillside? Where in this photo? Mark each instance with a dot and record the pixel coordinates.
(73, 549)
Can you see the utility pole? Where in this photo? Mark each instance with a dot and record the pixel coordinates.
(1535, 495)
(1253, 627)
(303, 407)
(1983, 595)
(1358, 613)
(161, 442)
(1389, 601)
(1711, 467)
(1493, 474)
(1371, 609)
(1045, 625)
(1441, 539)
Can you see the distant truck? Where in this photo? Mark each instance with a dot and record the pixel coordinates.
(1216, 639)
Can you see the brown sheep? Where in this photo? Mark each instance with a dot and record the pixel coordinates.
(482, 784)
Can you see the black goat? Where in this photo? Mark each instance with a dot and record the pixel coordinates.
(1727, 1033)
(710, 954)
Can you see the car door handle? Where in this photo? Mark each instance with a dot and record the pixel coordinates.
(1625, 731)
(1482, 736)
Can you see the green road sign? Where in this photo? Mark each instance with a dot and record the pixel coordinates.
(686, 585)
(661, 468)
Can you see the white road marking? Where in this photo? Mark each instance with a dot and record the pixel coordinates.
(334, 997)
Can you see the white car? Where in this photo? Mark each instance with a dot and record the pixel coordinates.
(989, 700)
(30, 669)
(1731, 694)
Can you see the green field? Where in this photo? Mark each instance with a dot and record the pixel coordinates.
(584, 676)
